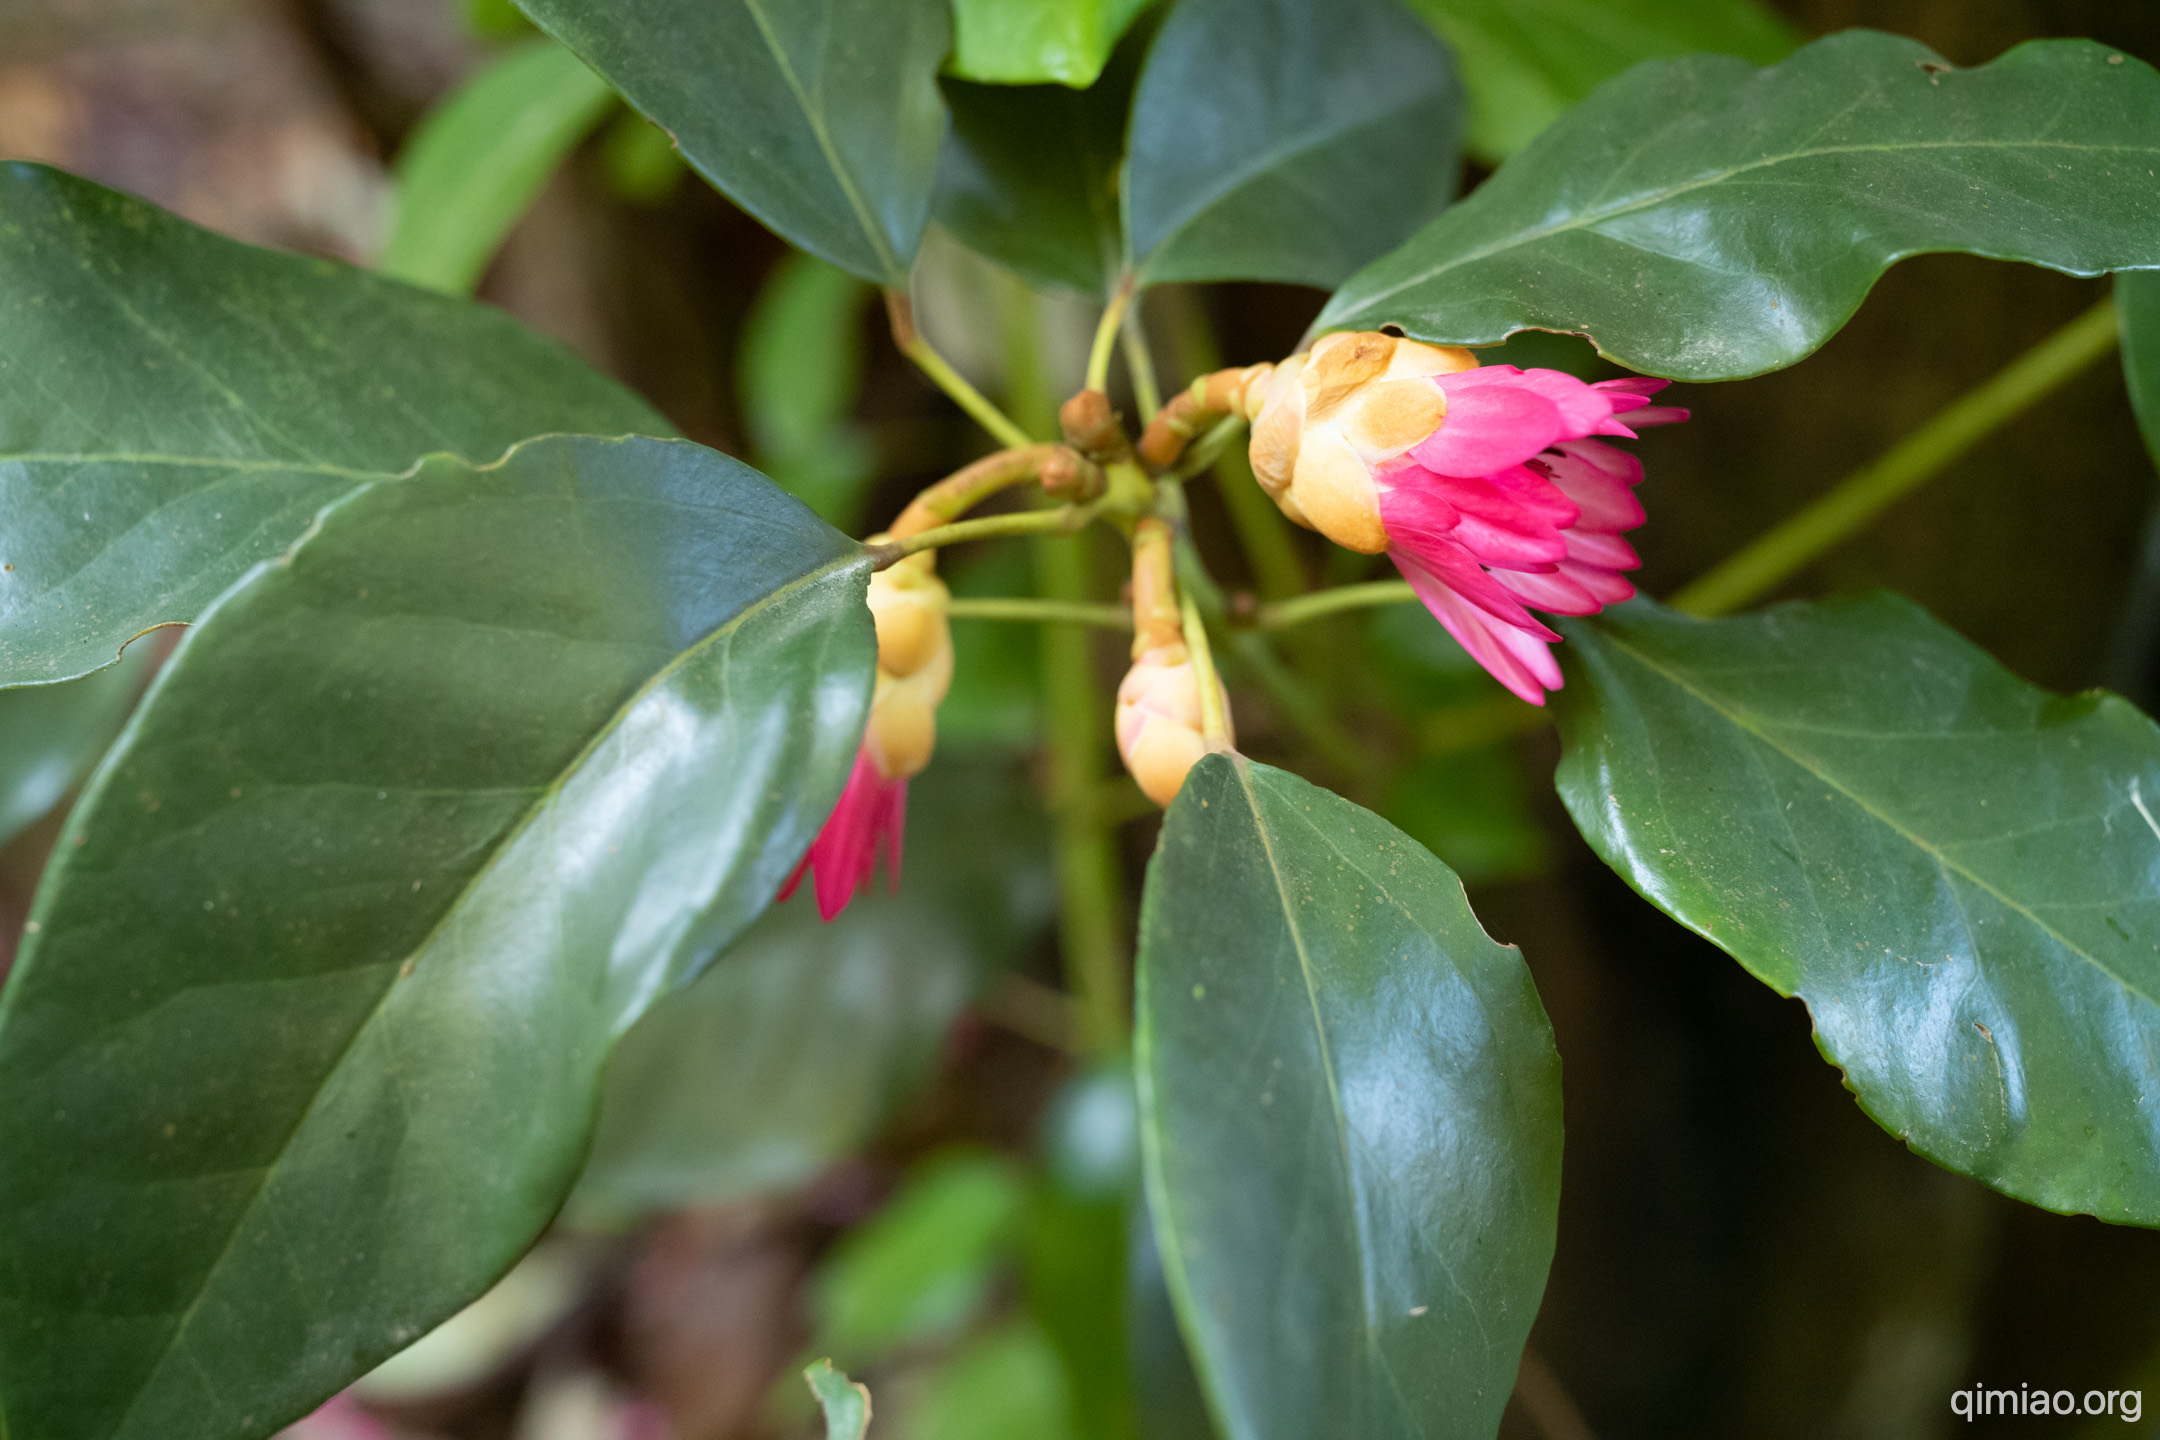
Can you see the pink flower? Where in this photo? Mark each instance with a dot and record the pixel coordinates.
(871, 809)
(1483, 485)
(341, 1418)
(908, 603)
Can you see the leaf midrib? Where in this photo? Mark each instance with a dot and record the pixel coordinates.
(842, 175)
(547, 797)
(1941, 858)
(1662, 196)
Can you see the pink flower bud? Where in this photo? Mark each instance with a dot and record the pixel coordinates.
(1481, 484)
(1158, 720)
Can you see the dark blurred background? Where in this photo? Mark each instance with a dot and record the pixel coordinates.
(1742, 1252)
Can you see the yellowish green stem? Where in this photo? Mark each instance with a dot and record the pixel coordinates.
(1106, 333)
(1140, 365)
(1062, 520)
(1860, 497)
(1076, 714)
(1313, 605)
(1043, 612)
(1214, 722)
(901, 311)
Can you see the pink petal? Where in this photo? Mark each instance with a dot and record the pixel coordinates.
(1510, 549)
(1489, 427)
(1448, 564)
(1555, 591)
(1607, 552)
(1607, 587)
(871, 808)
(1633, 385)
(1514, 657)
(1658, 415)
(1582, 407)
(1603, 503)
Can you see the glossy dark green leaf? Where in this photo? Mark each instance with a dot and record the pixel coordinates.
(476, 162)
(1030, 42)
(820, 117)
(789, 1054)
(217, 396)
(1525, 61)
(1029, 176)
(845, 1403)
(1960, 874)
(1706, 220)
(919, 1270)
(2137, 305)
(50, 736)
(1350, 1113)
(305, 1045)
(1284, 140)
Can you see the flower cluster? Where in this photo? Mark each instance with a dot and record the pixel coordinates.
(1492, 488)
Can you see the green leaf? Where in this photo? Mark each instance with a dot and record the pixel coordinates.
(477, 161)
(845, 1402)
(1525, 61)
(788, 1056)
(1350, 1114)
(305, 1046)
(1955, 870)
(920, 1269)
(50, 736)
(1469, 809)
(1706, 220)
(1027, 42)
(1029, 176)
(2137, 305)
(640, 160)
(1283, 140)
(1004, 1385)
(820, 117)
(799, 371)
(218, 396)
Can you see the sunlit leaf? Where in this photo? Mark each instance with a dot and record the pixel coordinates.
(304, 1046)
(1284, 140)
(1350, 1113)
(1029, 42)
(845, 1403)
(999, 1386)
(218, 396)
(478, 161)
(1706, 220)
(820, 117)
(1960, 874)
(1525, 61)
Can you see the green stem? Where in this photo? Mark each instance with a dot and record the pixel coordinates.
(1140, 366)
(1062, 520)
(1858, 498)
(1023, 608)
(901, 311)
(1210, 448)
(1076, 710)
(1106, 333)
(1214, 723)
(1311, 606)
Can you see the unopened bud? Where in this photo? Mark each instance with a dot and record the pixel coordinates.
(1159, 721)
(1069, 476)
(909, 605)
(1092, 427)
(1330, 417)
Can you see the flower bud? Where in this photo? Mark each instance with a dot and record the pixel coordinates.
(908, 603)
(1158, 720)
(1330, 417)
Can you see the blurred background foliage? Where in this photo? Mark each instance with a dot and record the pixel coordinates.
(872, 1140)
